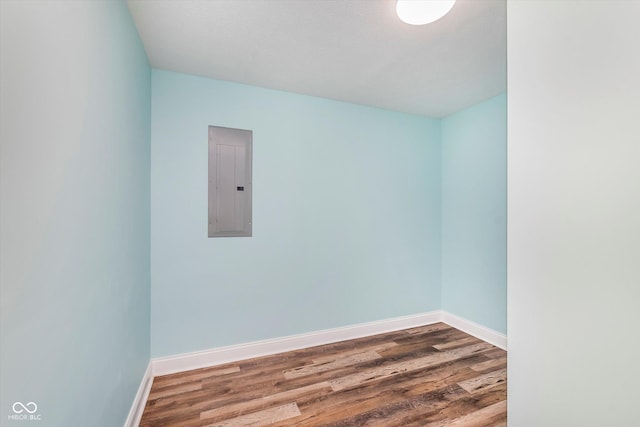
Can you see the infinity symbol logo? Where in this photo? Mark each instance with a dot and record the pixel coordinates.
(30, 407)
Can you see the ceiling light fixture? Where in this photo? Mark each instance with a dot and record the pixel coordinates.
(420, 12)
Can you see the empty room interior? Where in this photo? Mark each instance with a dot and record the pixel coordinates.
(419, 225)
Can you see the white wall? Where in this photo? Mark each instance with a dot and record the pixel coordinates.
(574, 213)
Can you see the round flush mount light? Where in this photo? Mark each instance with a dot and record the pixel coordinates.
(421, 12)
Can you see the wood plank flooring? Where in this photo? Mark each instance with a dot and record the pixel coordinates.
(433, 375)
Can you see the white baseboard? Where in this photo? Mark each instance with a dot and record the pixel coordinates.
(139, 402)
(482, 332)
(233, 353)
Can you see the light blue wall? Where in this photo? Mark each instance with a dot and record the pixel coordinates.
(346, 219)
(574, 213)
(75, 132)
(474, 198)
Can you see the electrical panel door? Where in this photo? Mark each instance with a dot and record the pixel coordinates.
(229, 181)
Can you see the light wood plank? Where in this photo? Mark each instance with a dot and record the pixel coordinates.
(262, 418)
(489, 364)
(268, 400)
(456, 343)
(477, 418)
(485, 381)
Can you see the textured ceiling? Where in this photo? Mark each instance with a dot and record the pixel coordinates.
(350, 50)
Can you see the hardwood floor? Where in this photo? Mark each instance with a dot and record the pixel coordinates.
(428, 376)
